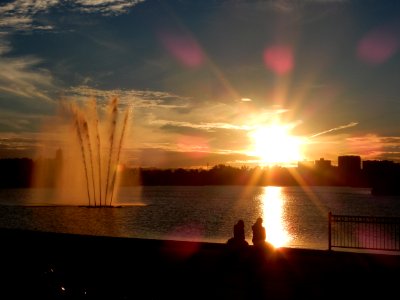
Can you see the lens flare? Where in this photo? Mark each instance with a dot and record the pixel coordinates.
(377, 46)
(279, 59)
(184, 48)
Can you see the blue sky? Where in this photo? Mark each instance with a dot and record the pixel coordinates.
(199, 76)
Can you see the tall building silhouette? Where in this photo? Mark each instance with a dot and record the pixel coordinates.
(383, 176)
(349, 167)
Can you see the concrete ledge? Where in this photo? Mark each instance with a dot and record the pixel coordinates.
(53, 265)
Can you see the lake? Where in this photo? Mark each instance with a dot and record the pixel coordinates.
(293, 216)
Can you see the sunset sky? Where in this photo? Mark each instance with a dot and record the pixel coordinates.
(206, 80)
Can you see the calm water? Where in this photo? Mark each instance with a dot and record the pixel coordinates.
(293, 216)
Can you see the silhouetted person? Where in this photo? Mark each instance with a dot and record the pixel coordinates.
(238, 239)
(238, 230)
(259, 235)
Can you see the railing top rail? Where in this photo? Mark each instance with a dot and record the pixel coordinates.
(368, 218)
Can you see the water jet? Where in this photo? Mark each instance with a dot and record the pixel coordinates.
(89, 153)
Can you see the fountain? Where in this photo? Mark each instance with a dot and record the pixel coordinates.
(88, 156)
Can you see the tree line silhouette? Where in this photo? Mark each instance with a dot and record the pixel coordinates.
(380, 175)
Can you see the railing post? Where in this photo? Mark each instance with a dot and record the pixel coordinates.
(329, 231)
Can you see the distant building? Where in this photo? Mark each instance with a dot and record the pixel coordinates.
(382, 176)
(324, 172)
(305, 165)
(349, 167)
(349, 164)
(323, 164)
(377, 166)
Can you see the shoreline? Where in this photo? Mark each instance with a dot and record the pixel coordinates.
(52, 265)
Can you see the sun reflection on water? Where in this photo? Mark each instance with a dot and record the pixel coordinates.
(273, 203)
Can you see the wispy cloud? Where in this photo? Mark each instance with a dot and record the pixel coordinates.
(204, 126)
(17, 122)
(335, 129)
(137, 98)
(21, 14)
(372, 146)
(28, 144)
(22, 77)
(5, 46)
(13, 141)
(289, 5)
(282, 5)
(18, 145)
(107, 7)
(12, 124)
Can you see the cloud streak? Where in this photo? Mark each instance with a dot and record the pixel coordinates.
(204, 126)
(335, 129)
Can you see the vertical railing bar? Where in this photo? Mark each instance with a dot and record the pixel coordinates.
(393, 235)
(373, 233)
(356, 234)
(345, 230)
(370, 232)
(348, 233)
(362, 230)
(351, 230)
(385, 243)
(379, 229)
(374, 240)
(376, 233)
(397, 237)
(379, 236)
(329, 231)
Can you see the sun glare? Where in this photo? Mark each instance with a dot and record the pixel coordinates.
(274, 145)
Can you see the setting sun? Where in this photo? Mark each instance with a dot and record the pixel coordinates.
(275, 145)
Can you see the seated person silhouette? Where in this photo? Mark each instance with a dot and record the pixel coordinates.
(259, 235)
(238, 239)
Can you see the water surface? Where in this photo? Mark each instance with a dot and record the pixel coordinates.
(293, 216)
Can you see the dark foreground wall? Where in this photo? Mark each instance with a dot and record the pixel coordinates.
(37, 265)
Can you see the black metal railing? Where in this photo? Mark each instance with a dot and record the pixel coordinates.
(364, 232)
